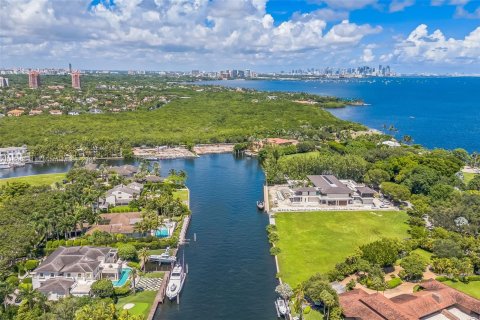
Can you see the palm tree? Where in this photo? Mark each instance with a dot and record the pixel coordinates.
(133, 275)
(143, 255)
(299, 299)
(407, 139)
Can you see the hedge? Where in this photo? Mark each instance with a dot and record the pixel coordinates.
(393, 283)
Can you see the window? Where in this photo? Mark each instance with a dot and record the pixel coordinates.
(41, 275)
(79, 275)
(52, 275)
(69, 275)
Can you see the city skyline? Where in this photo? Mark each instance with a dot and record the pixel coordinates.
(268, 36)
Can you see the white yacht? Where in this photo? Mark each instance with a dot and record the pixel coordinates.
(176, 281)
(282, 306)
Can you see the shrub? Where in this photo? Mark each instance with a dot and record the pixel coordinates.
(395, 282)
(474, 278)
(127, 252)
(27, 281)
(413, 267)
(30, 265)
(273, 237)
(84, 242)
(12, 280)
(442, 278)
(69, 243)
(383, 252)
(103, 288)
(77, 242)
(132, 264)
(275, 251)
(307, 310)
(351, 285)
(123, 290)
(271, 228)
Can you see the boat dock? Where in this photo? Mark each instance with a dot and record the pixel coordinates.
(183, 232)
(160, 297)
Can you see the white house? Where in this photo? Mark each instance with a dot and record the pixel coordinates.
(14, 155)
(72, 270)
(122, 195)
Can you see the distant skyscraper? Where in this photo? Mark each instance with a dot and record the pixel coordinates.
(33, 79)
(76, 80)
(3, 82)
(70, 67)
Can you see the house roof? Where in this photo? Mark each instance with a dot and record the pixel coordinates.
(363, 190)
(329, 184)
(118, 222)
(59, 286)
(74, 259)
(125, 170)
(306, 189)
(436, 297)
(124, 189)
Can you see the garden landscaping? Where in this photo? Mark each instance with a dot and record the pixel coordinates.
(312, 242)
(472, 288)
(142, 302)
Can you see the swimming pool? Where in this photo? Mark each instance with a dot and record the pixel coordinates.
(123, 277)
(162, 232)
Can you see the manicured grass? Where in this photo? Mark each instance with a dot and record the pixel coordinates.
(156, 251)
(143, 301)
(312, 242)
(120, 209)
(155, 274)
(467, 176)
(424, 254)
(36, 180)
(181, 194)
(472, 288)
(313, 315)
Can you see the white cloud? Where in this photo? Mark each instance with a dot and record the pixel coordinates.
(400, 5)
(422, 46)
(460, 12)
(348, 4)
(368, 55)
(185, 31)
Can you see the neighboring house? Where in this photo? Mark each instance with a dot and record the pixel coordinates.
(328, 190)
(123, 223)
(73, 113)
(35, 112)
(122, 195)
(15, 113)
(14, 155)
(73, 270)
(56, 112)
(126, 171)
(436, 301)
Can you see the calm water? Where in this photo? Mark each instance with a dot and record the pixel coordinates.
(436, 112)
(231, 273)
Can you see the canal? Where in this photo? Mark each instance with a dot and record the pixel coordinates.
(231, 273)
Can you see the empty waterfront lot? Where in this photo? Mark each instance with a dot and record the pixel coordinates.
(312, 242)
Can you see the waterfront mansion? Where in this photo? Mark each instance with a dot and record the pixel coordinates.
(72, 270)
(14, 155)
(321, 191)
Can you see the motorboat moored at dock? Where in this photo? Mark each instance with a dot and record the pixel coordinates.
(164, 257)
(175, 284)
(260, 205)
(281, 306)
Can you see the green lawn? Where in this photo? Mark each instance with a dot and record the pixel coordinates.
(142, 300)
(156, 251)
(36, 180)
(467, 176)
(312, 242)
(424, 254)
(155, 274)
(472, 288)
(181, 194)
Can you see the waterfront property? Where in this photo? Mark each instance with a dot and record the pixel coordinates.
(435, 301)
(320, 192)
(126, 171)
(118, 223)
(73, 270)
(36, 180)
(121, 195)
(14, 155)
(312, 242)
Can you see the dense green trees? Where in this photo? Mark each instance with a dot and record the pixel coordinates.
(103, 288)
(395, 192)
(413, 267)
(383, 252)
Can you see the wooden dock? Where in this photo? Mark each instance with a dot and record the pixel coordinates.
(160, 297)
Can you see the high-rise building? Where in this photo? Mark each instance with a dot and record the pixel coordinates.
(33, 79)
(70, 67)
(76, 80)
(3, 82)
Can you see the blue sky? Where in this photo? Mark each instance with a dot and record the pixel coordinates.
(438, 36)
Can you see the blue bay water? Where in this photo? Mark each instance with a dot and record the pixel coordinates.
(436, 112)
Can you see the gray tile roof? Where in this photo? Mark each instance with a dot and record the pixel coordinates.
(124, 189)
(59, 286)
(74, 259)
(329, 184)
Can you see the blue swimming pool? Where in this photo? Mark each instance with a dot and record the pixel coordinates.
(162, 233)
(123, 277)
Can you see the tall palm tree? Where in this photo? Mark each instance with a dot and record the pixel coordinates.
(143, 255)
(133, 275)
(299, 299)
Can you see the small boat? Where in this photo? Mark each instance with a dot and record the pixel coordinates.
(164, 257)
(282, 306)
(260, 205)
(176, 281)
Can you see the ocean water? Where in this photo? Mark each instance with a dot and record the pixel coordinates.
(436, 112)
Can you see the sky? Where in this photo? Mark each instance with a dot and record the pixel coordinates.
(412, 36)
